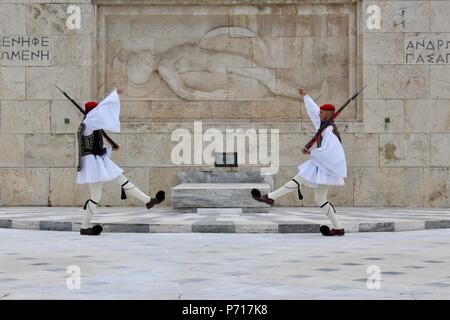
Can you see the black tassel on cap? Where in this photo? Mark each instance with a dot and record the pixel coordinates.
(123, 195)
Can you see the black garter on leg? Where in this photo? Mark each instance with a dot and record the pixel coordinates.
(123, 196)
(86, 204)
(330, 205)
(300, 196)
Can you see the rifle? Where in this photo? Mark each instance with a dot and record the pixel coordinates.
(334, 116)
(111, 141)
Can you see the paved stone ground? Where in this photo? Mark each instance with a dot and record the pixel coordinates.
(278, 220)
(414, 265)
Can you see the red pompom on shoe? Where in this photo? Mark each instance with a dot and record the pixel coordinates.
(256, 194)
(160, 197)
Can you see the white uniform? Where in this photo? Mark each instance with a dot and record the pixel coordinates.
(327, 165)
(98, 169)
(105, 116)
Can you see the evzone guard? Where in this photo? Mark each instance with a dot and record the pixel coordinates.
(327, 166)
(94, 164)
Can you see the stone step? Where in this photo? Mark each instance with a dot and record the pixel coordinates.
(219, 210)
(217, 195)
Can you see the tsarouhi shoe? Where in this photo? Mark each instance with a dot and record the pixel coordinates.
(256, 194)
(325, 230)
(160, 196)
(94, 231)
(336, 232)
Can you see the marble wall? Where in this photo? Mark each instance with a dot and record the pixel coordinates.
(229, 64)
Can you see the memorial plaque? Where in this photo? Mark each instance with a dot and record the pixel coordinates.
(25, 50)
(427, 48)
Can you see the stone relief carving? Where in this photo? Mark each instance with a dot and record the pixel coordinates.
(47, 17)
(198, 71)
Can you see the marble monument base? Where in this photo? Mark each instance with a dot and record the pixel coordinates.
(231, 190)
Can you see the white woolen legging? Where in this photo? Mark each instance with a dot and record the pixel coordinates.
(96, 195)
(320, 197)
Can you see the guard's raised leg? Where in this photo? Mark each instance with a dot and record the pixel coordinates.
(128, 187)
(270, 198)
